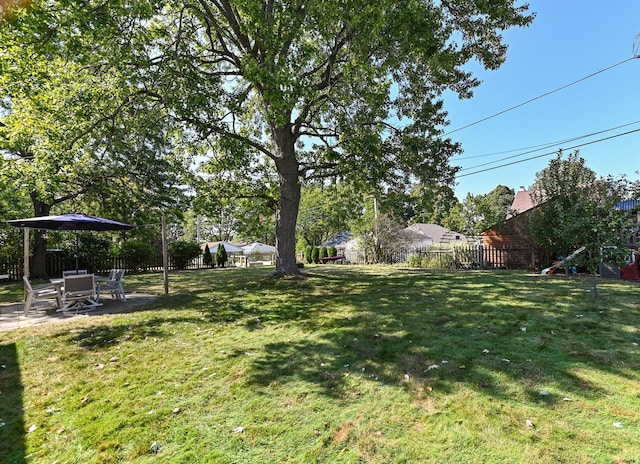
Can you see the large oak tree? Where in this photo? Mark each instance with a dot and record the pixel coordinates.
(308, 88)
(326, 88)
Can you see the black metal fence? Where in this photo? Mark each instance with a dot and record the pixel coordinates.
(56, 263)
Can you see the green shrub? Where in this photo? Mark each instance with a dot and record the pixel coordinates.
(333, 251)
(221, 255)
(207, 259)
(436, 261)
(308, 254)
(182, 252)
(324, 253)
(415, 261)
(315, 255)
(134, 252)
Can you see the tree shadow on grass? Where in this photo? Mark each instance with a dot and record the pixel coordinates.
(420, 331)
(102, 335)
(12, 426)
(459, 332)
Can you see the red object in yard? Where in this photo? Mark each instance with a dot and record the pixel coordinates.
(631, 271)
(327, 259)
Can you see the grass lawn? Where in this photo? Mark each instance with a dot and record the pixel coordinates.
(346, 365)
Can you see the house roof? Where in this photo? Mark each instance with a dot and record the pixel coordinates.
(522, 202)
(436, 233)
(339, 239)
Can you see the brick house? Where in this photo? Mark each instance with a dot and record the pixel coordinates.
(514, 231)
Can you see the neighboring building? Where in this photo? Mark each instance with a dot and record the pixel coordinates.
(514, 236)
(633, 207)
(423, 235)
(514, 231)
(522, 202)
(343, 241)
(632, 270)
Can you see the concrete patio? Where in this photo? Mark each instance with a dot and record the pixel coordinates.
(12, 314)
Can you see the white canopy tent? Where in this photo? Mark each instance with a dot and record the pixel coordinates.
(228, 247)
(258, 248)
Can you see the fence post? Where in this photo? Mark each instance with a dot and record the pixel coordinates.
(26, 259)
(165, 260)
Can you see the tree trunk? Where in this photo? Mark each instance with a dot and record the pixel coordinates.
(39, 259)
(288, 203)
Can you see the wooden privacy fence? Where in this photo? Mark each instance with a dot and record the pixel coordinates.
(463, 257)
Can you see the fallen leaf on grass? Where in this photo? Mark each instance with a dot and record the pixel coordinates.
(618, 424)
(32, 429)
(238, 430)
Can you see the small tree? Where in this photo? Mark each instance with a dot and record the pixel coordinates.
(577, 209)
(381, 237)
(315, 255)
(221, 255)
(308, 254)
(324, 253)
(333, 251)
(207, 259)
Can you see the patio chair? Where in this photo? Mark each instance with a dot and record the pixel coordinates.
(113, 285)
(79, 293)
(44, 292)
(74, 272)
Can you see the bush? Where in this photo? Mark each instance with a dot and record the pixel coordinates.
(134, 252)
(221, 255)
(323, 252)
(415, 261)
(182, 252)
(333, 251)
(207, 259)
(308, 254)
(315, 255)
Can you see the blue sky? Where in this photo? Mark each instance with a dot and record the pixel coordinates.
(568, 40)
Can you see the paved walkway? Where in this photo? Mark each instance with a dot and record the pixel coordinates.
(12, 314)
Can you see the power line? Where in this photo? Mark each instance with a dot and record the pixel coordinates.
(545, 94)
(541, 146)
(549, 153)
(549, 145)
